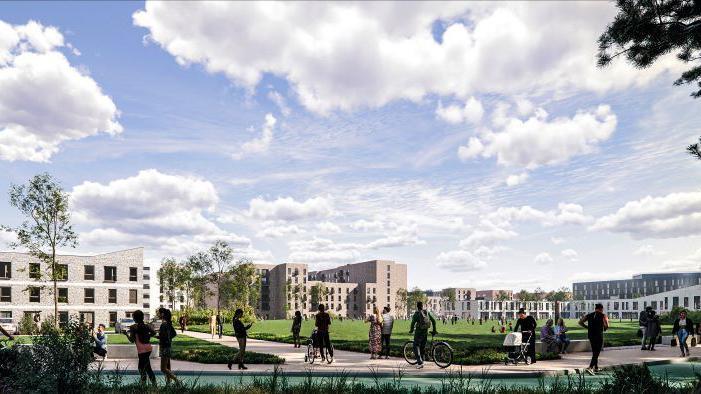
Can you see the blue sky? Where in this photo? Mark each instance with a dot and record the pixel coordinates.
(477, 143)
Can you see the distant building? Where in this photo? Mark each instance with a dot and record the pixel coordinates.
(349, 290)
(494, 294)
(639, 286)
(95, 289)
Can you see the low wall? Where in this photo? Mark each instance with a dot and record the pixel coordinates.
(667, 340)
(576, 345)
(127, 352)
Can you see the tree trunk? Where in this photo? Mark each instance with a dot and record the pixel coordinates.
(53, 276)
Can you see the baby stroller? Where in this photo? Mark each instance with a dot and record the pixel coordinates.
(313, 349)
(516, 345)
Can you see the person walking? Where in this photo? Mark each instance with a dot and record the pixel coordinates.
(183, 323)
(654, 329)
(595, 323)
(220, 325)
(296, 328)
(683, 326)
(527, 326)
(322, 323)
(141, 334)
(166, 333)
(387, 325)
(213, 325)
(420, 323)
(241, 333)
(561, 335)
(375, 333)
(642, 325)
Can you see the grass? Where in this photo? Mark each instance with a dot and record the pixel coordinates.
(473, 344)
(190, 349)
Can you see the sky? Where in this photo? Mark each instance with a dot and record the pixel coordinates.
(478, 143)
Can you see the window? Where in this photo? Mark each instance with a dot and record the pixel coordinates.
(5, 294)
(89, 272)
(133, 296)
(62, 318)
(89, 296)
(62, 272)
(110, 274)
(5, 314)
(113, 318)
(34, 294)
(5, 270)
(34, 271)
(133, 274)
(686, 302)
(112, 296)
(63, 294)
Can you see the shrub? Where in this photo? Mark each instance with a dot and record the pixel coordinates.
(201, 316)
(222, 355)
(27, 326)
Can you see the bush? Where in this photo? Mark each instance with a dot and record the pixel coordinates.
(222, 355)
(57, 361)
(201, 316)
(27, 326)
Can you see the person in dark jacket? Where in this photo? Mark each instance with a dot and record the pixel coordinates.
(220, 325)
(683, 327)
(642, 324)
(653, 329)
(165, 340)
(322, 323)
(527, 325)
(595, 323)
(140, 334)
(296, 328)
(240, 331)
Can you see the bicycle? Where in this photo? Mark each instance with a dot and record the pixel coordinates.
(439, 352)
(314, 351)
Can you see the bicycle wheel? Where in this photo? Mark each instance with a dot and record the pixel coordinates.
(409, 354)
(326, 354)
(309, 357)
(442, 354)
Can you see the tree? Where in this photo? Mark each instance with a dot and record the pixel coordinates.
(318, 293)
(415, 295)
(502, 296)
(169, 278)
(400, 303)
(448, 296)
(47, 226)
(644, 30)
(187, 281)
(561, 294)
(525, 295)
(245, 284)
(213, 265)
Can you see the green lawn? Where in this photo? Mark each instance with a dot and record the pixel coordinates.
(473, 344)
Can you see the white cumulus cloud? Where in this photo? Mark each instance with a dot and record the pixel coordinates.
(570, 254)
(516, 179)
(460, 261)
(543, 258)
(44, 100)
(471, 112)
(287, 208)
(260, 144)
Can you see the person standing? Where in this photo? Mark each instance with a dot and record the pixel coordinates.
(375, 333)
(166, 333)
(527, 326)
(595, 323)
(183, 323)
(387, 325)
(141, 334)
(213, 325)
(100, 341)
(220, 325)
(420, 323)
(322, 323)
(241, 333)
(654, 329)
(683, 326)
(296, 328)
(642, 324)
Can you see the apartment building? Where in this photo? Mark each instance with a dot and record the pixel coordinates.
(490, 295)
(95, 289)
(638, 286)
(350, 290)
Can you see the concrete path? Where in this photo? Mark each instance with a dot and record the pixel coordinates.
(361, 364)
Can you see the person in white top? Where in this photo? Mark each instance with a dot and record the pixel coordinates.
(387, 324)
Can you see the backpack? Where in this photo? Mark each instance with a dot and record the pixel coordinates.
(424, 320)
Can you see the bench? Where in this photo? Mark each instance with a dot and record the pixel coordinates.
(576, 345)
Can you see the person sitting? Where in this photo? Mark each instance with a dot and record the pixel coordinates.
(561, 336)
(493, 329)
(502, 329)
(547, 336)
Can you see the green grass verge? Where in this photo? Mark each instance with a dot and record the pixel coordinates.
(473, 344)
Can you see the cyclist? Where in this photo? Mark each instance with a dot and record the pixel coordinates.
(323, 321)
(420, 323)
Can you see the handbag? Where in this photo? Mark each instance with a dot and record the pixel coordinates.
(659, 340)
(639, 333)
(693, 340)
(673, 342)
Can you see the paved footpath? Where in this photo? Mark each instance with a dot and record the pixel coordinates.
(361, 364)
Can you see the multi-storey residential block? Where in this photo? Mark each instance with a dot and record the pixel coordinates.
(349, 291)
(639, 286)
(95, 289)
(490, 295)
